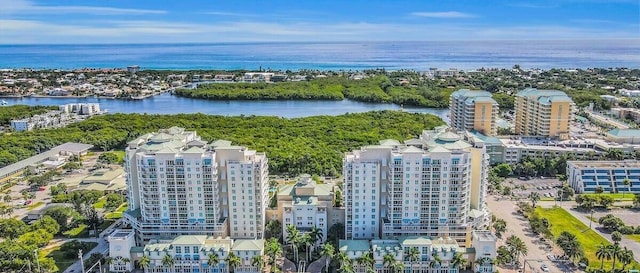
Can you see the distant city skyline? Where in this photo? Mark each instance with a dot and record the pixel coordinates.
(197, 21)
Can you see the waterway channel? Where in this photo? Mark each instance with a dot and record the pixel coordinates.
(170, 104)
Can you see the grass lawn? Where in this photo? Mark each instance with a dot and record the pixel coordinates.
(561, 220)
(80, 232)
(635, 237)
(34, 205)
(615, 196)
(101, 202)
(118, 213)
(62, 262)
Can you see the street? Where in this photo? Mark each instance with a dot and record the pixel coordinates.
(517, 225)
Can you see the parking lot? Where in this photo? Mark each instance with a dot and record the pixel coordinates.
(540, 252)
(546, 187)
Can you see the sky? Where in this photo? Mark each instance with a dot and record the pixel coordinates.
(205, 21)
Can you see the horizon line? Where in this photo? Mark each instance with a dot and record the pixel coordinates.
(324, 42)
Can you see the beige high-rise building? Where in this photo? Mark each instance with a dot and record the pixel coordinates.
(473, 110)
(543, 113)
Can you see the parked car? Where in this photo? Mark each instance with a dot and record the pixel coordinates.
(544, 268)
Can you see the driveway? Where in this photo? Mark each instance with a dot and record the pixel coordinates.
(517, 225)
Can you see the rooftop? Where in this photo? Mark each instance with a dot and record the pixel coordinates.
(354, 245)
(69, 147)
(240, 245)
(625, 132)
(604, 164)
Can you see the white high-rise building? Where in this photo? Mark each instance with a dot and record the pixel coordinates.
(433, 186)
(180, 185)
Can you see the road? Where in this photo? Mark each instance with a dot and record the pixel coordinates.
(517, 225)
(607, 120)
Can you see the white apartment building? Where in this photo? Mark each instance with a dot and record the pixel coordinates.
(243, 176)
(306, 205)
(433, 186)
(180, 185)
(444, 249)
(189, 254)
(80, 108)
(587, 176)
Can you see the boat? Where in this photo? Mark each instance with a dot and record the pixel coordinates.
(4, 102)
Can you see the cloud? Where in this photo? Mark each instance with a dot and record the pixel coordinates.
(443, 14)
(15, 31)
(231, 14)
(27, 7)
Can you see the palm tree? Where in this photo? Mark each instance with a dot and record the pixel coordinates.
(603, 253)
(233, 261)
(316, 234)
(458, 260)
(258, 262)
(168, 262)
(627, 183)
(345, 262)
(517, 246)
(213, 260)
(616, 251)
(108, 260)
(144, 261)
(293, 239)
(626, 257)
(436, 260)
(388, 259)
(307, 241)
(534, 197)
(616, 237)
(367, 260)
(397, 267)
(273, 250)
(327, 251)
(412, 255)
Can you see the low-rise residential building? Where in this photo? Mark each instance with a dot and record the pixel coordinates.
(80, 108)
(187, 253)
(610, 176)
(307, 204)
(624, 136)
(444, 249)
(55, 153)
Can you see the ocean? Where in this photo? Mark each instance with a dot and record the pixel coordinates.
(466, 55)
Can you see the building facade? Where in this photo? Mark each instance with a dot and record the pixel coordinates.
(433, 186)
(429, 252)
(473, 110)
(198, 254)
(611, 176)
(307, 204)
(180, 185)
(543, 113)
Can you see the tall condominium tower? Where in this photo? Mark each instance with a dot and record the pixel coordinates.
(433, 186)
(473, 110)
(180, 185)
(543, 113)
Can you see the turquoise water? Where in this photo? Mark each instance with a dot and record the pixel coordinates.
(330, 56)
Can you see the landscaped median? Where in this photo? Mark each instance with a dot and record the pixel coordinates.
(561, 220)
